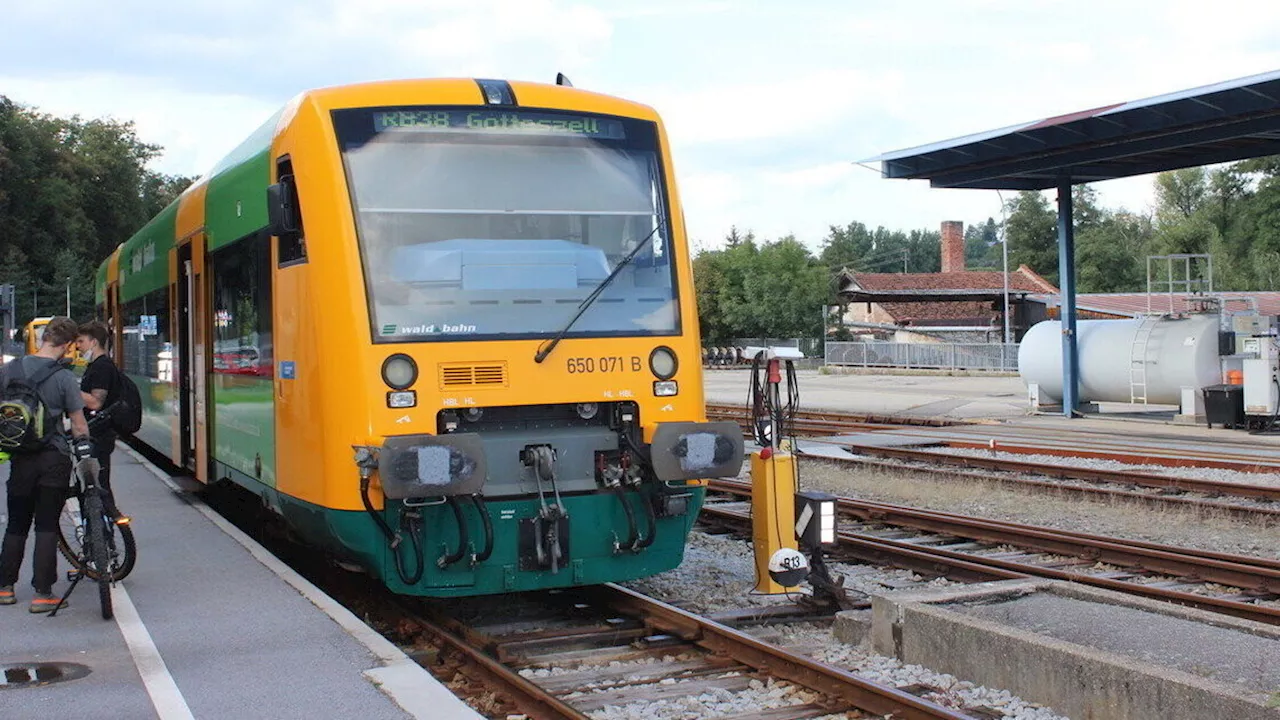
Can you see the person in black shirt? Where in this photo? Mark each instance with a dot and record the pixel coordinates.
(100, 389)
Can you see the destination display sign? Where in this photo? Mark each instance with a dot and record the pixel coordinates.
(499, 122)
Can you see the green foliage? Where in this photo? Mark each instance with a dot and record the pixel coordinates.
(71, 190)
(1232, 213)
(1031, 229)
(862, 250)
(982, 246)
(775, 289)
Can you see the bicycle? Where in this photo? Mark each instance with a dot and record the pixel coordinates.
(96, 546)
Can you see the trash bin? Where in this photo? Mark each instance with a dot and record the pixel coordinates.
(1224, 405)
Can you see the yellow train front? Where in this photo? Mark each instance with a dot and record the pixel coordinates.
(33, 334)
(445, 328)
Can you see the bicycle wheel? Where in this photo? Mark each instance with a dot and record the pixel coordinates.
(95, 542)
(122, 549)
(71, 533)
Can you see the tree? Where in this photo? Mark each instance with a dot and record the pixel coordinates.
(1085, 212)
(735, 238)
(982, 245)
(787, 290)
(1031, 229)
(846, 245)
(776, 289)
(1180, 193)
(71, 190)
(1111, 254)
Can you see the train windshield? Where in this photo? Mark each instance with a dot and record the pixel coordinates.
(486, 224)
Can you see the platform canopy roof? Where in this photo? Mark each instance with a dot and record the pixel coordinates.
(1232, 120)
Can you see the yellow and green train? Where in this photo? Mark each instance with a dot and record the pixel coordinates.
(446, 329)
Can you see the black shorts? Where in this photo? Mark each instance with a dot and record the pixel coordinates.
(47, 468)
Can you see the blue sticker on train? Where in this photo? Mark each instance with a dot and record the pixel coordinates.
(288, 370)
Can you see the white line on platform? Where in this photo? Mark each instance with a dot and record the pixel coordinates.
(406, 682)
(164, 692)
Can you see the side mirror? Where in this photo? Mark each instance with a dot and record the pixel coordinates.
(282, 217)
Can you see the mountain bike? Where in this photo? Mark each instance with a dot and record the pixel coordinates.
(96, 547)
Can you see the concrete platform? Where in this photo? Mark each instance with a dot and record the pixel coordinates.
(208, 625)
(881, 440)
(986, 397)
(1088, 653)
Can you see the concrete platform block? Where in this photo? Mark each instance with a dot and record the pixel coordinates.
(1086, 652)
(853, 627)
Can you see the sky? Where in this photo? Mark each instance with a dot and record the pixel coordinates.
(769, 106)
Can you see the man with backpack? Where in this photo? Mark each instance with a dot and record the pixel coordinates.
(36, 391)
(101, 388)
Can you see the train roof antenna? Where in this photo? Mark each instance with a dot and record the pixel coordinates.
(562, 80)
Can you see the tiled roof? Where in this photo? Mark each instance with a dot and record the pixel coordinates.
(1135, 304)
(967, 312)
(1024, 279)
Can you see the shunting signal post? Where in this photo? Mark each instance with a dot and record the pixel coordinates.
(783, 521)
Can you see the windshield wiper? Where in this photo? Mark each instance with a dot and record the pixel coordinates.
(545, 349)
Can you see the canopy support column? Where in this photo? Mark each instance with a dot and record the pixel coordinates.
(1067, 284)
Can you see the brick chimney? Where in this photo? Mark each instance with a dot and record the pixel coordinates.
(952, 246)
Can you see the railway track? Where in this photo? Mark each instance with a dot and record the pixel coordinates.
(940, 543)
(1093, 444)
(579, 652)
(1246, 500)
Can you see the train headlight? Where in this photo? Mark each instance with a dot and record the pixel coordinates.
(662, 361)
(665, 388)
(402, 399)
(399, 371)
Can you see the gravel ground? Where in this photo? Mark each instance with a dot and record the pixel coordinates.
(1099, 516)
(714, 702)
(948, 690)
(718, 573)
(1192, 473)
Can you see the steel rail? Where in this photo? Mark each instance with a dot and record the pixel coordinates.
(877, 420)
(827, 679)
(1252, 512)
(525, 694)
(1122, 477)
(1015, 441)
(1250, 574)
(883, 512)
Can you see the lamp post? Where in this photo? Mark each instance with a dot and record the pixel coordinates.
(68, 297)
(1004, 251)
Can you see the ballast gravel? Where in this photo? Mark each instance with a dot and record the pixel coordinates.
(718, 573)
(992, 500)
(1223, 475)
(945, 690)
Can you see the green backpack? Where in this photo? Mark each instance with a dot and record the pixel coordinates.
(25, 423)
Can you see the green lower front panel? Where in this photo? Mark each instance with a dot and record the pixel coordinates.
(596, 522)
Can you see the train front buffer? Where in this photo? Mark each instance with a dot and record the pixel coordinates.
(527, 497)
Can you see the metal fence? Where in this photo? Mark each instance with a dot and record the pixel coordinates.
(811, 347)
(948, 356)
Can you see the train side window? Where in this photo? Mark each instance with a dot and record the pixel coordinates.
(292, 248)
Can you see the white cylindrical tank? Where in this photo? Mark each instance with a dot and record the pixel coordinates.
(1170, 353)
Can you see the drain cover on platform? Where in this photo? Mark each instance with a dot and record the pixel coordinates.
(21, 675)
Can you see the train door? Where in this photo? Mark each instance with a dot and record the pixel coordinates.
(112, 319)
(192, 429)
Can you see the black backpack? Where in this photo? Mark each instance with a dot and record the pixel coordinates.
(126, 414)
(25, 423)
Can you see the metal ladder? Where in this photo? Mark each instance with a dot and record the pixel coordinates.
(1138, 362)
